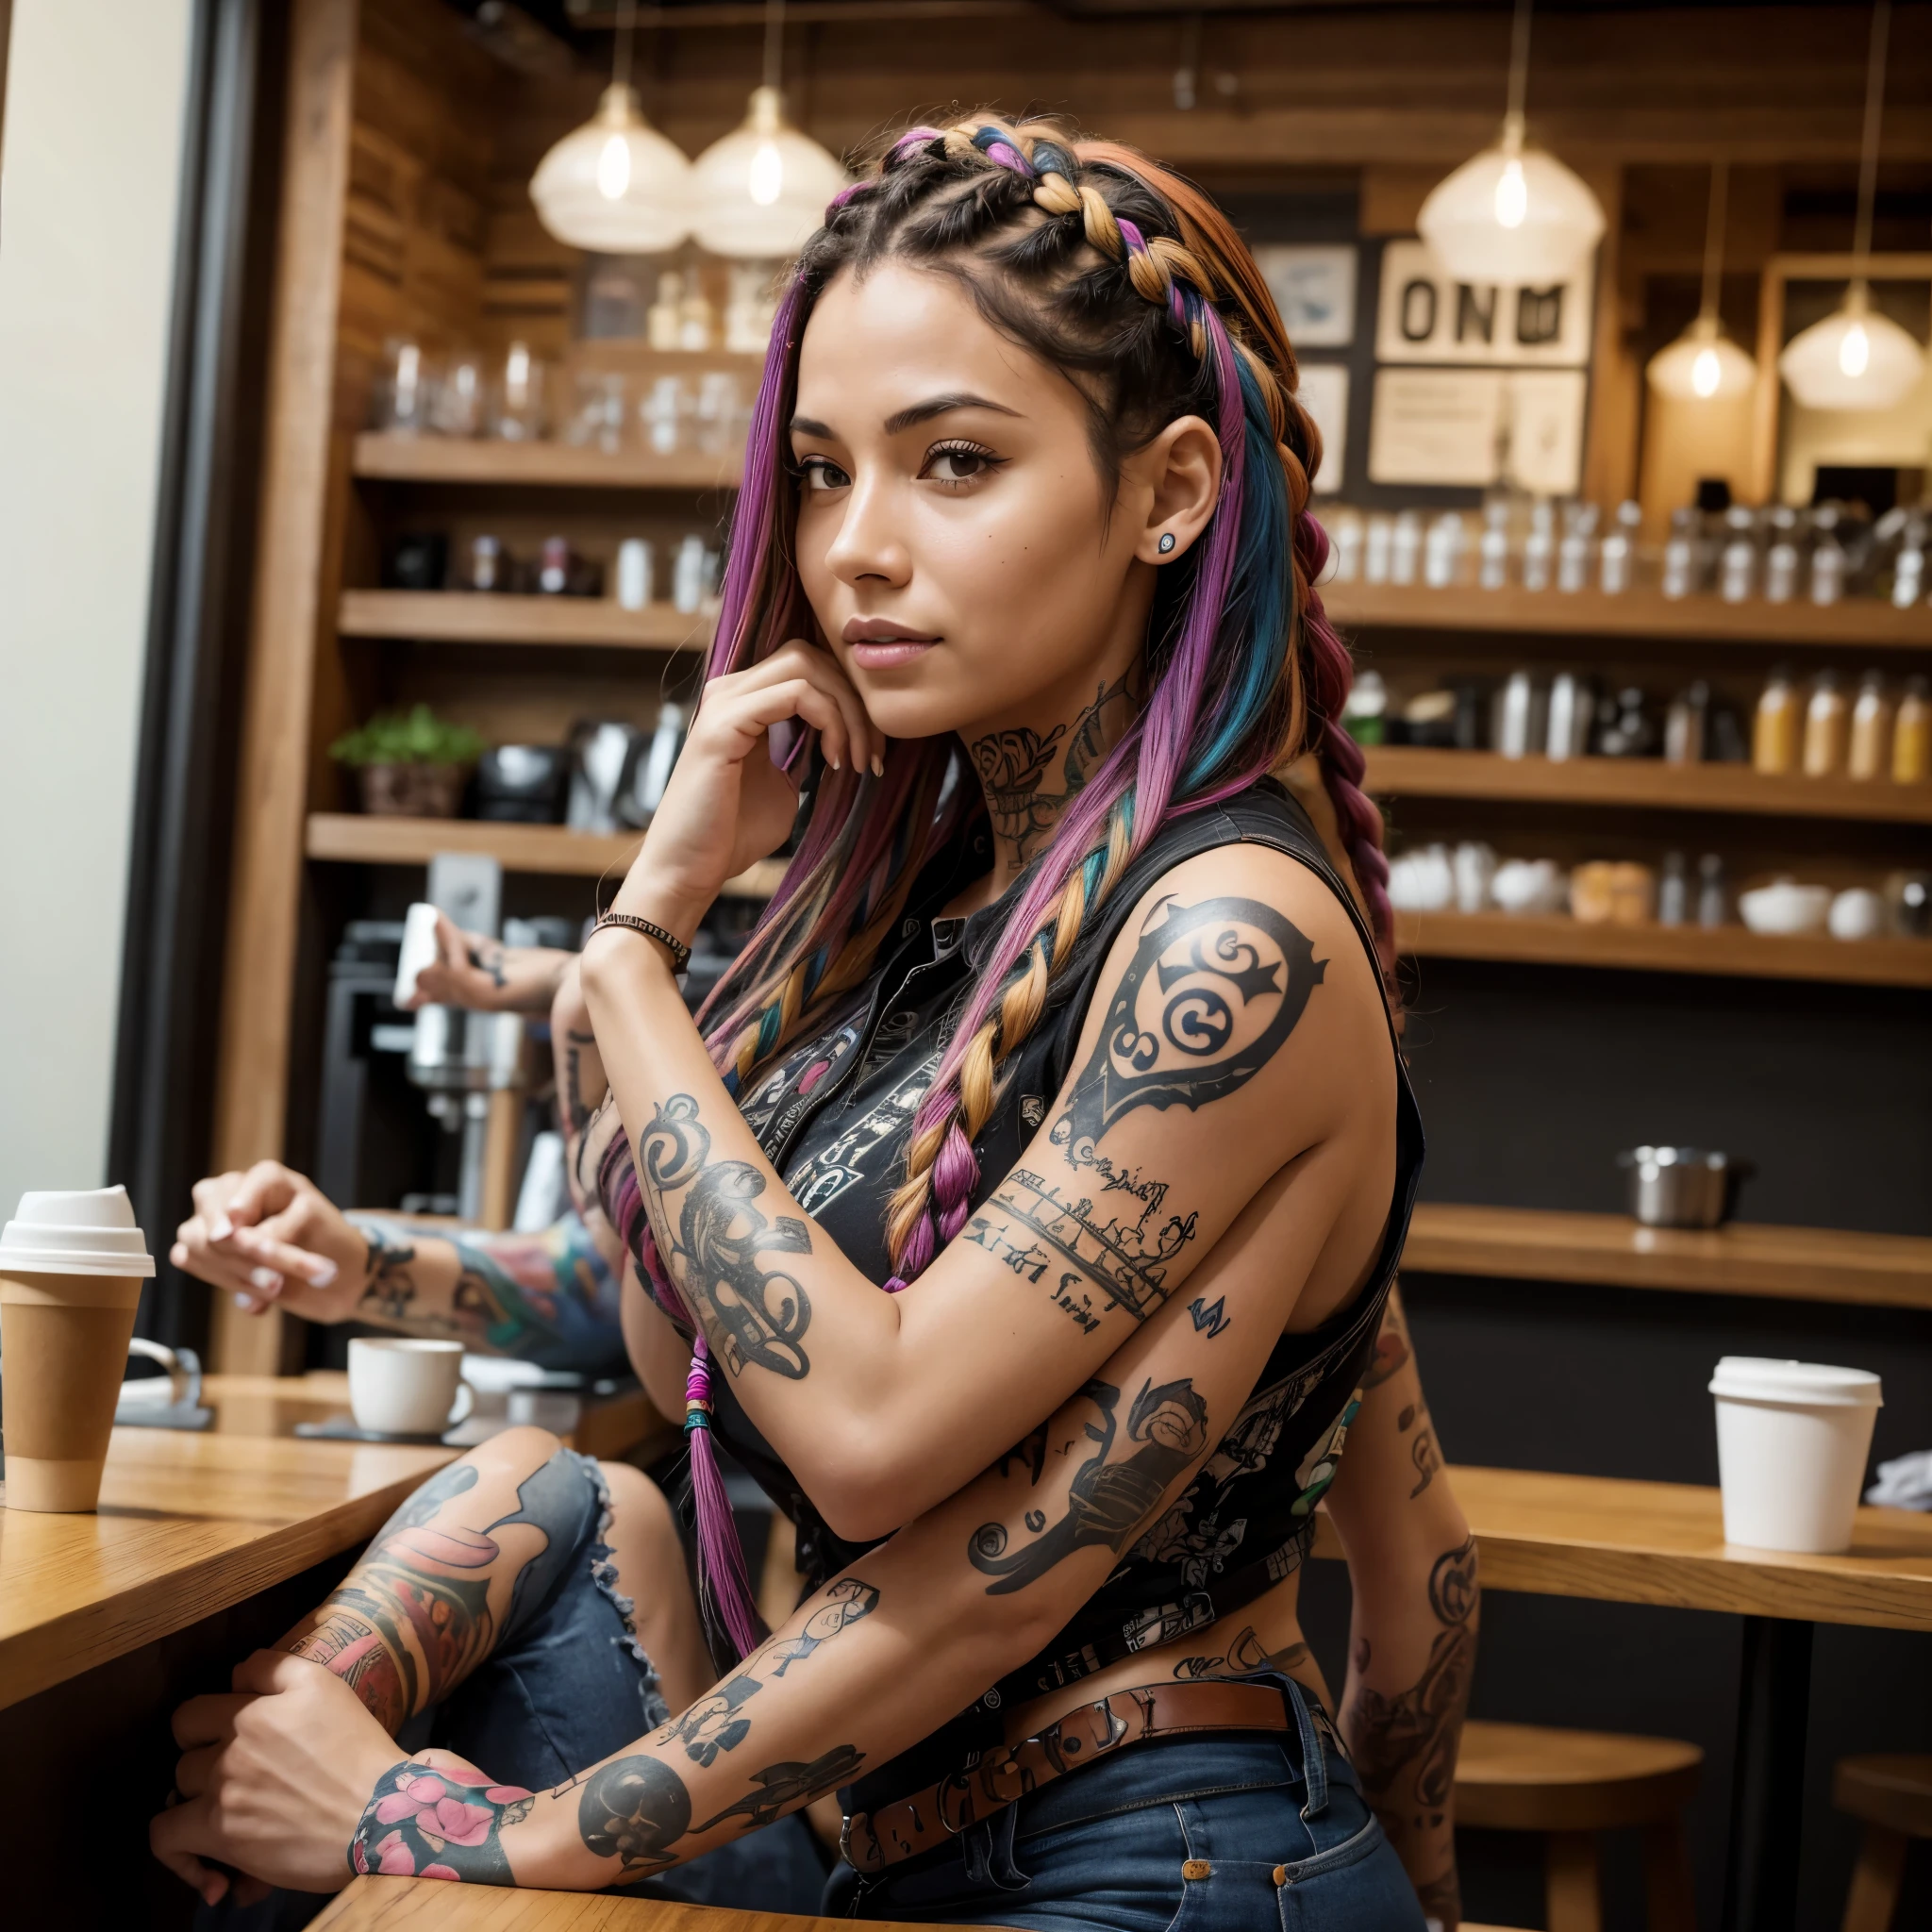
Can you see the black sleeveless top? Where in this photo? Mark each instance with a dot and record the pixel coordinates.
(833, 1115)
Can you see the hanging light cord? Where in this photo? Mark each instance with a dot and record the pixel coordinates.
(626, 17)
(1714, 238)
(1519, 69)
(1874, 114)
(775, 42)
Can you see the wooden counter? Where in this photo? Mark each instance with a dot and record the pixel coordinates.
(1821, 1264)
(189, 1526)
(1633, 1542)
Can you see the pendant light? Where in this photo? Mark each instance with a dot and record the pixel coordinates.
(1704, 364)
(1858, 358)
(1512, 214)
(615, 185)
(761, 192)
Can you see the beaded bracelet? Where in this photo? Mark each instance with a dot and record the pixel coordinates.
(680, 953)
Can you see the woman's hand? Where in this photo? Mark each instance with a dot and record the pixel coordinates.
(271, 1235)
(273, 1781)
(487, 975)
(727, 805)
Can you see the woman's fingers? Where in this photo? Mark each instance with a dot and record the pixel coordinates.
(227, 1267)
(176, 1835)
(865, 743)
(267, 1248)
(751, 714)
(194, 1770)
(208, 1719)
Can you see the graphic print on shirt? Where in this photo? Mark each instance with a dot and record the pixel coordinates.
(817, 1181)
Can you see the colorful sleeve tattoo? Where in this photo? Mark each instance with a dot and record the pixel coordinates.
(548, 1298)
(441, 1824)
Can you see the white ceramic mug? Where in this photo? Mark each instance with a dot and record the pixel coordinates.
(400, 1386)
(1792, 1443)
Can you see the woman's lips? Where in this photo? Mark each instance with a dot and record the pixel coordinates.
(878, 644)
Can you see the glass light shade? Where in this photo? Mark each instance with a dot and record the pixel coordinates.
(1701, 364)
(1854, 359)
(1512, 215)
(615, 185)
(761, 192)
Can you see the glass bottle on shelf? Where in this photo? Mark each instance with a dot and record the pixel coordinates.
(1827, 557)
(662, 414)
(1782, 558)
(1346, 531)
(1617, 561)
(1911, 735)
(1908, 568)
(1775, 729)
(1738, 562)
(1713, 899)
(1405, 547)
(697, 320)
(1827, 727)
(1574, 552)
(1680, 553)
(404, 392)
(661, 318)
(516, 413)
(1673, 892)
(1492, 553)
(1871, 752)
(1442, 551)
(1376, 553)
(1540, 546)
(1684, 725)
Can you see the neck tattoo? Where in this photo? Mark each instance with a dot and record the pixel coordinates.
(1016, 770)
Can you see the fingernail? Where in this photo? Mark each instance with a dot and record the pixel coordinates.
(878, 766)
(323, 1274)
(265, 1279)
(837, 766)
(220, 1228)
(246, 1301)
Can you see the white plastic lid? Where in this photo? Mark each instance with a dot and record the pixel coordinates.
(87, 1232)
(1763, 1378)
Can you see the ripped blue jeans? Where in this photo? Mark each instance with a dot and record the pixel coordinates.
(567, 1683)
(1245, 1832)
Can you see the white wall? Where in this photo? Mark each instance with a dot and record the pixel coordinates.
(88, 180)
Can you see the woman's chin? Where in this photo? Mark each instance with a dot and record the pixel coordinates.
(909, 713)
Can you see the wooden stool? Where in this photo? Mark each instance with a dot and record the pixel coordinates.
(1572, 1784)
(1892, 1793)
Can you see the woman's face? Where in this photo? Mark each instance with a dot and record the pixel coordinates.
(953, 530)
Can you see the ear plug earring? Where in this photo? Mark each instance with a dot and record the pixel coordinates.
(1166, 543)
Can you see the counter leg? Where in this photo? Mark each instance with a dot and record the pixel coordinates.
(1767, 1777)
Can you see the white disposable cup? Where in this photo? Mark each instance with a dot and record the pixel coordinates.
(400, 1386)
(418, 949)
(1793, 1439)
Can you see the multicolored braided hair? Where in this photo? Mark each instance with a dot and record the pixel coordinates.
(1129, 279)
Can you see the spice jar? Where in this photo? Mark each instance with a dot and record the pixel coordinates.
(1911, 735)
(1774, 731)
(1827, 728)
(1870, 752)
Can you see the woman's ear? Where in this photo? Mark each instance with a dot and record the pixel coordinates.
(1181, 469)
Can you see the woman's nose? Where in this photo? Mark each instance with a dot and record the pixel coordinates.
(869, 544)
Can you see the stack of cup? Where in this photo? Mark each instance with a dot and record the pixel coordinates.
(72, 1266)
(1791, 1442)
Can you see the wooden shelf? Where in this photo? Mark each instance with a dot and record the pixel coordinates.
(1418, 772)
(459, 617)
(1821, 1264)
(458, 459)
(357, 839)
(1729, 949)
(1862, 623)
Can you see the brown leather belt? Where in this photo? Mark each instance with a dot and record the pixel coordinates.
(873, 1840)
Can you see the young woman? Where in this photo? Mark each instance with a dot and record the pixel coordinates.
(1069, 1031)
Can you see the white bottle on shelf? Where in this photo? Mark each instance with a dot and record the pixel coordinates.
(1540, 546)
(1617, 560)
(1405, 548)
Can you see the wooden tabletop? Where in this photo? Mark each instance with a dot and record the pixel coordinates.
(411, 1904)
(1664, 1543)
(189, 1526)
(1824, 1264)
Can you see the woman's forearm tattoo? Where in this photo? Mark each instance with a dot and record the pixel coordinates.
(1106, 1501)
(443, 1823)
(717, 1243)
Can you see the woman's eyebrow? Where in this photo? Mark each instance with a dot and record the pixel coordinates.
(940, 406)
(810, 426)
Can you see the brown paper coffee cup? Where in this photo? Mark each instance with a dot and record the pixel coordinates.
(63, 1351)
(72, 1269)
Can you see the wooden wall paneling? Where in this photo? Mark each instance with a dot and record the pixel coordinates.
(289, 613)
(1609, 443)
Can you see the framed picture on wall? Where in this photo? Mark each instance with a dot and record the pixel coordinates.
(1323, 394)
(1314, 288)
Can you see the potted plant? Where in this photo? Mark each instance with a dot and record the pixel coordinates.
(409, 764)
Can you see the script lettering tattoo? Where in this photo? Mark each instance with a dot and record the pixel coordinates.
(1205, 1003)
(634, 1809)
(441, 1823)
(1106, 1502)
(1209, 1321)
(1013, 770)
(757, 1315)
(782, 1786)
(1404, 1745)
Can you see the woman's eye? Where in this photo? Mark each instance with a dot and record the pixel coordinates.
(820, 473)
(959, 465)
